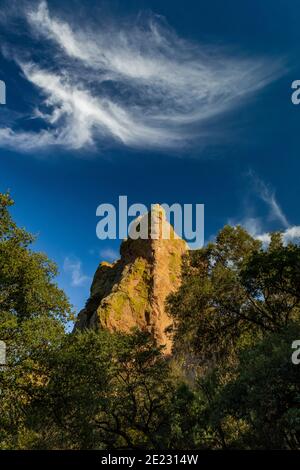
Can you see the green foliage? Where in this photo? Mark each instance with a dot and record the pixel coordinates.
(107, 391)
(230, 384)
(26, 277)
(234, 292)
(236, 316)
(32, 315)
(261, 400)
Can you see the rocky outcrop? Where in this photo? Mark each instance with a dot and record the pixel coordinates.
(132, 291)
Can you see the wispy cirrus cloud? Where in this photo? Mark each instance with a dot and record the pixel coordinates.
(268, 196)
(136, 83)
(256, 226)
(109, 254)
(73, 266)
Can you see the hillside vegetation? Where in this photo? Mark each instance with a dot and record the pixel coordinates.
(230, 382)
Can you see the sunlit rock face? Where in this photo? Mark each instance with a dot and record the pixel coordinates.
(132, 291)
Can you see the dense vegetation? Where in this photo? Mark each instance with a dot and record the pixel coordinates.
(230, 383)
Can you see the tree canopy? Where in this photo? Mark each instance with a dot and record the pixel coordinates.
(229, 384)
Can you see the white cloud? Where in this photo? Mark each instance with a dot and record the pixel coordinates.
(138, 84)
(25, 141)
(268, 196)
(256, 226)
(109, 254)
(74, 267)
(292, 234)
(265, 238)
(252, 225)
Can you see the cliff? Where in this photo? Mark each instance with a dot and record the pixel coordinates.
(132, 291)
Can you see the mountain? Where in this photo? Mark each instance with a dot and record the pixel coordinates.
(131, 292)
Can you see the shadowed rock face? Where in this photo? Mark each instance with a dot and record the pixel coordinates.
(132, 291)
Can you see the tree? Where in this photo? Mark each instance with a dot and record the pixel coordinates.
(33, 311)
(92, 389)
(234, 292)
(230, 384)
(236, 316)
(263, 396)
(110, 391)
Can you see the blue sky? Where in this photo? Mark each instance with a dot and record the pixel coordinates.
(162, 101)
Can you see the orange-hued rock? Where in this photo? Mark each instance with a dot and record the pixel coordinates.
(132, 291)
